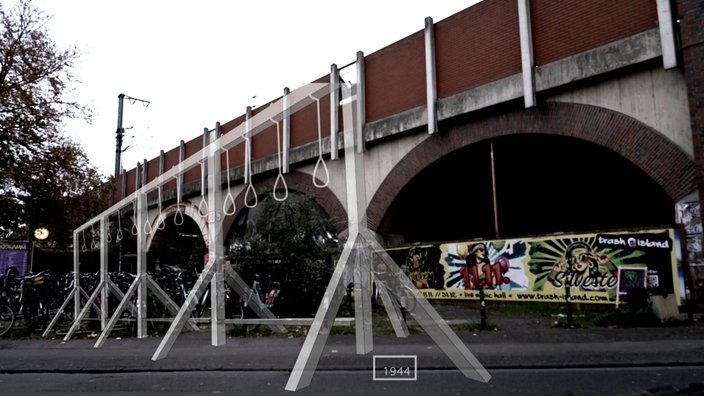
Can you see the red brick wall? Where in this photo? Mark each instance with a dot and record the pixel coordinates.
(304, 123)
(171, 159)
(561, 28)
(395, 78)
(191, 148)
(476, 46)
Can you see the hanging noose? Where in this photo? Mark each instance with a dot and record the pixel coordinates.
(229, 199)
(280, 177)
(320, 154)
(203, 205)
(118, 235)
(178, 217)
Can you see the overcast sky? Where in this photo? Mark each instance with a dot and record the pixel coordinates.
(198, 63)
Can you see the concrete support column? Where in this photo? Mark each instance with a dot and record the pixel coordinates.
(527, 61)
(430, 73)
(361, 103)
(334, 109)
(286, 132)
(667, 34)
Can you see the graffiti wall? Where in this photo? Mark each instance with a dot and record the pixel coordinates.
(689, 215)
(598, 268)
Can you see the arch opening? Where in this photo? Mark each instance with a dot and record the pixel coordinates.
(179, 244)
(292, 242)
(542, 183)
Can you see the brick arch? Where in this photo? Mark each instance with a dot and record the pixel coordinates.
(303, 183)
(652, 152)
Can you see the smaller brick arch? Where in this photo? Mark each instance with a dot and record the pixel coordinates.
(183, 209)
(642, 145)
(301, 182)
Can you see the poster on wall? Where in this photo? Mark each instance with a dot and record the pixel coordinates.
(540, 269)
(14, 254)
(689, 215)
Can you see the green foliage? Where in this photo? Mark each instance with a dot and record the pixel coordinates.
(636, 313)
(291, 242)
(626, 317)
(45, 178)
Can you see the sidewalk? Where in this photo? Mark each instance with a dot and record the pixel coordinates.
(520, 341)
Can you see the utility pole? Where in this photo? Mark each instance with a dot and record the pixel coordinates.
(121, 131)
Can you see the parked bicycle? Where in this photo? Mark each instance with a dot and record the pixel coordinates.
(263, 293)
(203, 306)
(29, 298)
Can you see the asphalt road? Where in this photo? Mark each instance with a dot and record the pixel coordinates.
(524, 355)
(525, 382)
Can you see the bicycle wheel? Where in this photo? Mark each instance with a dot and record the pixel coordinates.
(65, 319)
(240, 310)
(7, 319)
(377, 300)
(410, 300)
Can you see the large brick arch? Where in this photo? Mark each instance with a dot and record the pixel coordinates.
(303, 183)
(645, 147)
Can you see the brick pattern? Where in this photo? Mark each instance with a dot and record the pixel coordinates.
(561, 28)
(477, 46)
(646, 148)
(691, 17)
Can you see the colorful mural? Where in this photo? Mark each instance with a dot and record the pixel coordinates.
(596, 267)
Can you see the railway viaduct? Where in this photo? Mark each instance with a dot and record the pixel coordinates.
(509, 118)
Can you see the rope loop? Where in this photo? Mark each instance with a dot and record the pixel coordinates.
(203, 207)
(246, 196)
(315, 173)
(161, 223)
(178, 216)
(229, 199)
(280, 178)
(134, 230)
(320, 153)
(93, 243)
(118, 235)
(147, 227)
(108, 236)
